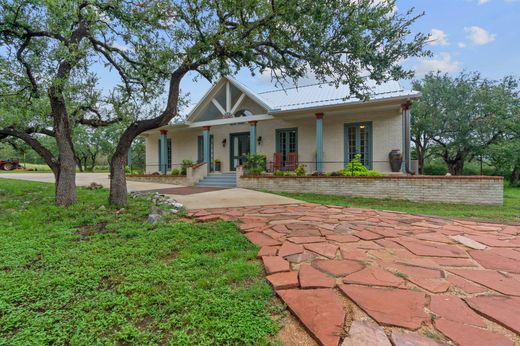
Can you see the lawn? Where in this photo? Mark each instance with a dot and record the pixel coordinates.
(95, 275)
(509, 212)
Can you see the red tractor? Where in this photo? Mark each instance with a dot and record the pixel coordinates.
(9, 165)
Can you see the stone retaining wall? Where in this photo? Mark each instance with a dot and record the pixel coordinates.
(468, 190)
(160, 179)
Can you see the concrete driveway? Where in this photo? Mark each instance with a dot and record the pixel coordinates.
(213, 199)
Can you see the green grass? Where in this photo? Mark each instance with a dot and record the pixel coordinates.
(89, 275)
(509, 212)
(35, 167)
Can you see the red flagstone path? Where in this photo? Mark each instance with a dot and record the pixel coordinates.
(350, 274)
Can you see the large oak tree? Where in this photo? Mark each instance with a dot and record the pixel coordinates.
(463, 115)
(52, 56)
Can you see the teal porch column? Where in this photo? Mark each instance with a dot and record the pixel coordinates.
(252, 137)
(163, 152)
(319, 142)
(405, 109)
(206, 144)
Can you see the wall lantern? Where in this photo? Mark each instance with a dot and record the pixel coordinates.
(224, 141)
(259, 140)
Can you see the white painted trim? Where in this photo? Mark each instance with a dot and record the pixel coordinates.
(228, 121)
(239, 101)
(217, 104)
(228, 97)
(347, 104)
(249, 93)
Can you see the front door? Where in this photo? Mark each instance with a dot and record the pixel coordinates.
(239, 148)
(358, 141)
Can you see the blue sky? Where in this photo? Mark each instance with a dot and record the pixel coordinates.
(471, 35)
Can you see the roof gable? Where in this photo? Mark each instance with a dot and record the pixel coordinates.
(225, 99)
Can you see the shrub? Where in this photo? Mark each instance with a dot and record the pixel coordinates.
(184, 166)
(255, 164)
(300, 170)
(279, 173)
(127, 170)
(356, 169)
(176, 171)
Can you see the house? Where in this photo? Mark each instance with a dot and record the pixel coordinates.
(316, 125)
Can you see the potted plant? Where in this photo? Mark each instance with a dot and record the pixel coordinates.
(217, 165)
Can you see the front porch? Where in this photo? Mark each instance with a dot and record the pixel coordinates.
(321, 142)
(321, 132)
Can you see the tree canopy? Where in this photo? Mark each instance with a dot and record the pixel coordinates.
(463, 115)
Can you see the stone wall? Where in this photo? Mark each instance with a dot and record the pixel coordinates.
(468, 190)
(160, 179)
(194, 174)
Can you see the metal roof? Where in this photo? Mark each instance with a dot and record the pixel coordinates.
(320, 95)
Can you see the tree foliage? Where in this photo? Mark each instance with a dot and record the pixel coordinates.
(463, 115)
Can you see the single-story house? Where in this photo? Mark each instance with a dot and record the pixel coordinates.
(316, 125)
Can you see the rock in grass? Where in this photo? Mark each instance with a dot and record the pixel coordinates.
(153, 218)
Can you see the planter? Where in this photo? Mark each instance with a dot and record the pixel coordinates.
(396, 160)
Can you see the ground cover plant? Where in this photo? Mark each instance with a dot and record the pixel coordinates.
(94, 274)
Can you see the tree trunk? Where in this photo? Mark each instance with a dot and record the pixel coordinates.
(118, 191)
(66, 177)
(515, 176)
(78, 163)
(456, 167)
(419, 150)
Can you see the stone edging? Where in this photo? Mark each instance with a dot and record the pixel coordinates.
(417, 177)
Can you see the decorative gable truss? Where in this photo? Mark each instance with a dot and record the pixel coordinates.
(228, 99)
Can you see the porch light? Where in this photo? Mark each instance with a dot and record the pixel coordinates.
(259, 140)
(224, 141)
(361, 126)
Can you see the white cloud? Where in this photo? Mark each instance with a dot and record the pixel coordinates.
(479, 36)
(443, 63)
(461, 45)
(438, 37)
(482, 2)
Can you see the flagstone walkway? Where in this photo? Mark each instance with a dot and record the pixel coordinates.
(367, 277)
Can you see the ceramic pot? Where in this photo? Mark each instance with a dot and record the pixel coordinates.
(396, 160)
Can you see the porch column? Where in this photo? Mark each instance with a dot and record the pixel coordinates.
(319, 142)
(206, 144)
(252, 137)
(405, 109)
(163, 152)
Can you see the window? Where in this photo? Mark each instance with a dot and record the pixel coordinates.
(168, 154)
(358, 140)
(286, 142)
(200, 150)
(243, 113)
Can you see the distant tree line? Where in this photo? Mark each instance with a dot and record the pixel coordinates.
(468, 118)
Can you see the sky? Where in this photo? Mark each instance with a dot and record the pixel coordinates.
(466, 35)
(469, 35)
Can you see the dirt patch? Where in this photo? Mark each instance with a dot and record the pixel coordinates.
(143, 323)
(170, 257)
(293, 333)
(108, 283)
(87, 231)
